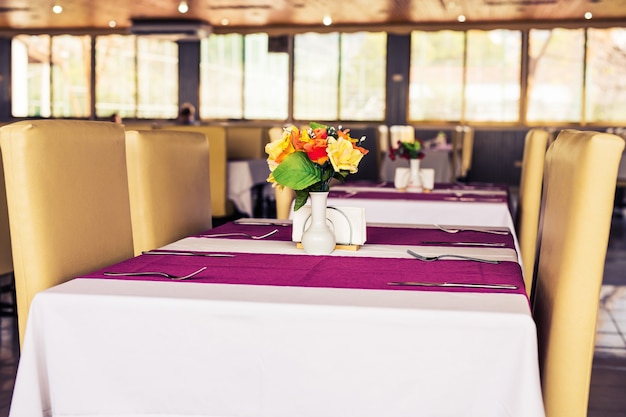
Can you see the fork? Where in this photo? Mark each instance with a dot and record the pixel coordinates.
(436, 258)
(157, 273)
(242, 234)
(469, 229)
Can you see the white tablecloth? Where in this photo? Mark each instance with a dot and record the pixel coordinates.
(142, 348)
(242, 177)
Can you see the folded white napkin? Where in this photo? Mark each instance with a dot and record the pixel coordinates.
(348, 224)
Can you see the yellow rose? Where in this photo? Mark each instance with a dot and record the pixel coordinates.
(278, 150)
(343, 155)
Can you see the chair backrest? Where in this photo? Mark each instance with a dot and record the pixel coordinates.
(216, 135)
(6, 259)
(245, 142)
(578, 192)
(275, 133)
(462, 151)
(169, 185)
(529, 200)
(284, 199)
(67, 195)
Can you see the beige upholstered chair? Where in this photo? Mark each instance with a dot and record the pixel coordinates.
(462, 152)
(216, 135)
(275, 133)
(245, 143)
(579, 186)
(67, 195)
(7, 286)
(529, 199)
(284, 199)
(169, 185)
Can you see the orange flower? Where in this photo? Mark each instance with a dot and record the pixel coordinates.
(316, 151)
(320, 133)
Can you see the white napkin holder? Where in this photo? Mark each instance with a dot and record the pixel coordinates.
(348, 224)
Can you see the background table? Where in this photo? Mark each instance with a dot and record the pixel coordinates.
(243, 177)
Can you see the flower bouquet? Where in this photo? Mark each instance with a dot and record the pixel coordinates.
(306, 160)
(407, 148)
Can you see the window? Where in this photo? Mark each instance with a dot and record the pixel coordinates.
(436, 77)
(339, 76)
(492, 79)
(136, 77)
(50, 76)
(316, 76)
(555, 75)
(157, 78)
(221, 77)
(115, 76)
(606, 76)
(266, 80)
(362, 80)
(71, 76)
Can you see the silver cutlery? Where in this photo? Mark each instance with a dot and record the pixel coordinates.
(464, 243)
(155, 273)
(455, 284)
(438, 257)
(241, 234)
(471, 229)
(211, 255)
(261, 223)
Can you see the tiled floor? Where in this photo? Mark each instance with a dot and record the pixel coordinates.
(608, 385)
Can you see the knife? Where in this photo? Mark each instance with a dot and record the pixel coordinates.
(163, 252)
(464, 243)
(455, 284)
(260, 223)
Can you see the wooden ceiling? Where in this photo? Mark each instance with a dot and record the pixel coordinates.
(299, 15)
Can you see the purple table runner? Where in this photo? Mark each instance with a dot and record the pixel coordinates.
(322, 271)
(380, 235)
(385, 194)
(331, 271)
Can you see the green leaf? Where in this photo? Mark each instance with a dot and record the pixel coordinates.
(297, 172)
(301, 197)
(315, 125)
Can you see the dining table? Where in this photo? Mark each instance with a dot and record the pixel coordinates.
(247, 183)
(260, 328)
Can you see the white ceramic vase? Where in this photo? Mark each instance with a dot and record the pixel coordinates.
(415, 182)
(318, 239)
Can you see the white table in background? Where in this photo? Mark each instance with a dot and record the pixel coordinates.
(243, 176)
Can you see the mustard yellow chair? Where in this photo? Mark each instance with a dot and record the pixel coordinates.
(245, 142)
(67, 195)
(529, 200)
(284, 195)
(218, 165)
(462, 152)
(579, 187)
(169, 185)
(275, 133)
(7, 286)
(284, 199)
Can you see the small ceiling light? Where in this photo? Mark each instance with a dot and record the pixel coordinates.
(327, 20)
(183, 7)
(112, 23)
(588, 15)
(461, 18)
(56, 9)
(225, 22)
